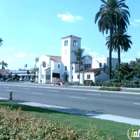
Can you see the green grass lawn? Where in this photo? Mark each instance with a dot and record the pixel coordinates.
(105, 128)
(136, 91)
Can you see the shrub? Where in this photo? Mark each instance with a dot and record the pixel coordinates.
(110, 88)
(16, 125)
(125, 81)
(88, 82)
(114, 81)
(135, 82)
(136, 85)
(117, 84)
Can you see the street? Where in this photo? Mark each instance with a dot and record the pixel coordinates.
(84, 99)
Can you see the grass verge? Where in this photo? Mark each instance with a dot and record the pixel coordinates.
(110, 88)
(105, 128)
(137, 91)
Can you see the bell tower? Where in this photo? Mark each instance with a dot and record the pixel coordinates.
(69, 44)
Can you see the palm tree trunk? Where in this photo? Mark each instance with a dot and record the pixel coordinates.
(110, 53)
(119, 56)
(119, 61)
(79, 73)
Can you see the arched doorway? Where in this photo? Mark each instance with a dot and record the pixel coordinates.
(65, 77)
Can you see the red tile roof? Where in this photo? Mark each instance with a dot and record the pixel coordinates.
(91, 70)
(55, 58)
(4, 70)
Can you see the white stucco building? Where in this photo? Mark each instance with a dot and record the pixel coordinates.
(65, 68)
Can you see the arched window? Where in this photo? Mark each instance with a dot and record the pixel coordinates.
(75, 42)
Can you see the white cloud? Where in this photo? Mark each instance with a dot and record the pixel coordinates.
(95, 54)
(54, 48)
(138, 53)
(8, 59)
(21, 55)
(135, 22)
(11, 48)
(32, 54)
(69, 17)
(86, 48)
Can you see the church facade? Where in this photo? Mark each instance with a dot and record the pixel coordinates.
(65, 68)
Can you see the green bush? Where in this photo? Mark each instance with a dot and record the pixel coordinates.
(88, 82)
(136, 85)
(117, 84)
(125, 81)
(16, 125)
(110, 88)
(135, 82)
(114, 81)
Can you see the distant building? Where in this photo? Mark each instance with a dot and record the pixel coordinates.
(65, 68)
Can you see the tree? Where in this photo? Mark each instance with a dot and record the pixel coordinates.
(136, 67)
(1, 41)
(106, 71)
(121, 41)
(25, 66)
(79, 57)
(111, 15)
(124, 71)
(35, 72)
(3, 65)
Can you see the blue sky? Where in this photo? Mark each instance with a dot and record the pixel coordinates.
(30, 28)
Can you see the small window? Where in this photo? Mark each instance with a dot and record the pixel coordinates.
(78, 76)
(100, 65)
(87, 66)
(72, 77)
(88, 76)
(75, 43)
(66, 43)
(72, 68)
(65, 67)
(58, 65)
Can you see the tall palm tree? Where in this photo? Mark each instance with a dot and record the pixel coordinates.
(1, 41)
(25, 66)
(3, 65)
(121, 41)
(79, 57)
(111, 15)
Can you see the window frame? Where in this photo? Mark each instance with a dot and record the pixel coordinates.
(88, 76)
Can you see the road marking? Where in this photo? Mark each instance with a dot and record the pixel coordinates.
(76, 97)
(54, 90)
(8, 90)
(93, 94)
(36, 93)
(26, 88)
(136, 103)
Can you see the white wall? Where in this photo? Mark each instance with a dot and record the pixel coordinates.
(55, 69)
(42, 70)
(68, 56)
(83, 76)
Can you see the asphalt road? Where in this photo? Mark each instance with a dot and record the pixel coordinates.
(86, 99)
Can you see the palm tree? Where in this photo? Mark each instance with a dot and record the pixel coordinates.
(121, 41)
(3, 65)
(111, 15)
(79, 57)
(1, 41)
(25, 66)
